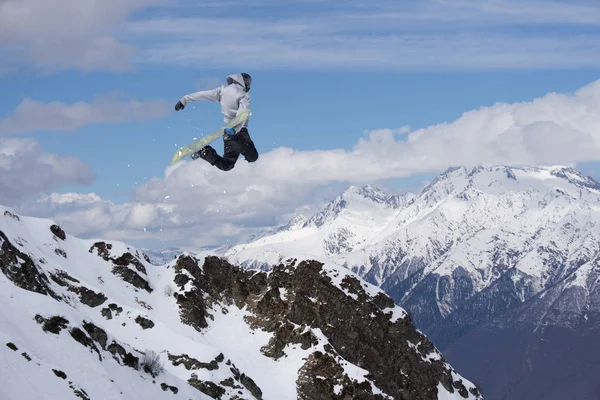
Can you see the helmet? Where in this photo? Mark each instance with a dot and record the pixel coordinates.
(247, 81)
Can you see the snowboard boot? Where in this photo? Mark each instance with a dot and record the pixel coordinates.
(206, 153)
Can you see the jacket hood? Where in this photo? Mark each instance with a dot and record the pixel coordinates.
(237, 78)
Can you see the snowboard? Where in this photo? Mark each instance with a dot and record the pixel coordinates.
(193, 147)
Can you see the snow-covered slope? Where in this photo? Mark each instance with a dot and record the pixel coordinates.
(348, 224)
(93, 319)
(470, 230)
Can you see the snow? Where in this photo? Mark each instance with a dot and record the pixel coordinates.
(580, 277)
(35, 379)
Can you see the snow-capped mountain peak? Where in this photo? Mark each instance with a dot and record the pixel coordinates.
(501, 179)
(472, 229)
(356, 200)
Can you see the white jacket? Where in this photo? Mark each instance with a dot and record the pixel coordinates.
(233, 99)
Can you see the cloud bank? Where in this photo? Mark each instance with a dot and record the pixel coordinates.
(26, 170)
(119, 35)
(67, 34)
(386, 35)
(31, 115)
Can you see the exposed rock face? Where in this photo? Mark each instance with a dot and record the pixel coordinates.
(121, 265)
(58, 232)
(145, 323)
(53, 324)
(560, 326)
(21, 269)
(193, 364)
(298, 302)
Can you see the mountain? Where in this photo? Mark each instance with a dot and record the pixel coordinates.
(546, 347)
(94, 319)
(347, 225)
(471, 250)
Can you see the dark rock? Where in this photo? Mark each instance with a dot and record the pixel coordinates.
(319, 376)
(60, 252)
(208, 388)
(79, 392)
(21, 269)
(132, 277)
(166, 387)
(96, 333)
(147, 258)
(394, 353)
(58, 232)
(53, 324)
(129, 259)
(192, 364)
(383, 301)
(60, 374)
(251, 386)
(84, 340)
(26, 356)
(102, 250)
(230, 382)
(180, 280)
(11, 215)
(12, 346)
(128, 359)
(105, 312)
(61, 277)
(247, 382)
(145, 323)
(90, 298)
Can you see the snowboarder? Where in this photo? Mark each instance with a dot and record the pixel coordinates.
(234, 98)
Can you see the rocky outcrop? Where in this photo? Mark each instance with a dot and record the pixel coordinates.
(53, 324)
(58, 232)
(145, 323)
(122, 265)
(22, 270)
(298, 302)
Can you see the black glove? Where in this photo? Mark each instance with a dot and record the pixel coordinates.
(179, 106)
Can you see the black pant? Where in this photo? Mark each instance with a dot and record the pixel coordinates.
(240, 143)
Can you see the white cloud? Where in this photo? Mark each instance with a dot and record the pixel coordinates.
(432, 34)
(25, 170)
(196, 204)
(116, 35)
(32, 115)
(58, 34)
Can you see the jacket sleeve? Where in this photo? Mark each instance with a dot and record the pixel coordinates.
(244, 104)
(210, 95)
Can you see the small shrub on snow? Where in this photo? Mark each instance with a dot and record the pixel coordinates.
(151, 364)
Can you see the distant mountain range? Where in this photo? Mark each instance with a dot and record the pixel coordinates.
(492, 255)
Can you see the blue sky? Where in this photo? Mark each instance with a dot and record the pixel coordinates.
(88, 89)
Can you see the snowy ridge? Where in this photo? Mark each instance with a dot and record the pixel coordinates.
(349, 223)
(77, 316)
(458, 237)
